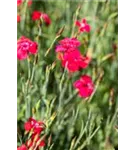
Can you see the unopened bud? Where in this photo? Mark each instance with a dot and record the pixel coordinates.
(111, 100)
(33, 110)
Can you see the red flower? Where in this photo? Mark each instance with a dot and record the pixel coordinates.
(22, 147)
(19, 2)
(85, 86)
(46, 19)
(25, 47)
(74, 61)
(67, 44)
(36, 15)
(18, 18)
(37, 126)
(83, 26)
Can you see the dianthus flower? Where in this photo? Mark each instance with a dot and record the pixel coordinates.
(25, 47)
(83, 25)
(67, 44)
(46, 19)
(85, 86)
(19, 2)
(36, 15)
(74, 61)
(35, 126)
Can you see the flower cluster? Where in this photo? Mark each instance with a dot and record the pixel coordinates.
(73, 60)
(35, 128)
(36, 15)
(25, 47)
(70, 55)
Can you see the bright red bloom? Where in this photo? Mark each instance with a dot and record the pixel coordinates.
(32, 124)
(67, 44)
(83, 26)
(85, 86)
(46, 19)
(18, 18)
(74, 61)
(22, 147)
(36, 15)
(19, 2)
(25, 47)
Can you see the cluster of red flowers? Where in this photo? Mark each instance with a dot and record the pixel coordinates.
(35, 128)
(25, 47)
(73, 60)
(70, 55)
(36, 15)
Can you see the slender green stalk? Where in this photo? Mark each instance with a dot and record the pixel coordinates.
(75, 19)
(56, 37)
(24, 15)
(96, 86)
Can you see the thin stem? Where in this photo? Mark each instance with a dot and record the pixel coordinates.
(29, 70)
(19, 138)
(75, 19)
(24, 15)
(48, 50)
(96, 86)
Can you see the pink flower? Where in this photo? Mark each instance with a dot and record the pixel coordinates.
(18, 18)
(83, 26)
(36, 15)
(19, 2)
(46, 19)
(25, 47)
(67, 44)
(85, 86)
(22, 147)
(74, 61)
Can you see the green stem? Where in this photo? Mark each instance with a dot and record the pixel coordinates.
(24, 15)
(75, 19)
(51, 45)
(29, 70)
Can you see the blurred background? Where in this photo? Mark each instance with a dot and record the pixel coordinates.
(72, 123)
